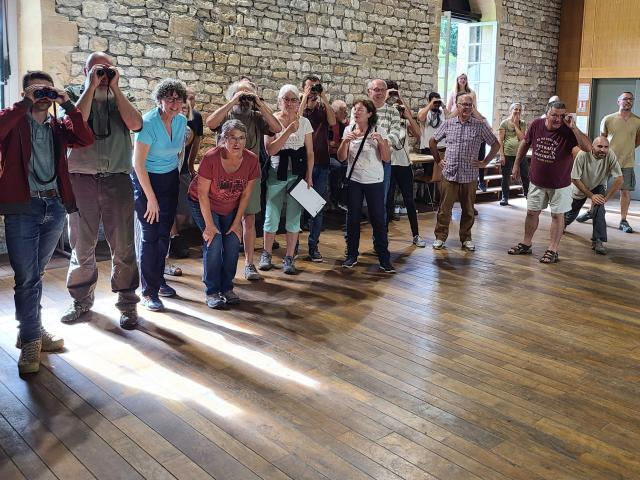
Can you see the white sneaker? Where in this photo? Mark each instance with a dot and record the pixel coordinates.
(418, 241)
(437, 244)
(469, 246)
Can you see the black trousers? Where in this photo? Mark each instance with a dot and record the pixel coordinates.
(597, 211)
(402, 176)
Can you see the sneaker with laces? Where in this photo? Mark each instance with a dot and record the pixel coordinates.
(418, 241)
(74, 312)
(437, 244)
(289, 265)
(387, 267)
(599, 247)
(166, 291)
(250, 272)
(29, 361)
(584, 217)
(350, 262)
(129, 320)
(216, 301)
(152, 304)
(265, 261)
(469, 246)
(625, 227)
(315, 255)
(230, 297)
(504, 202)
(50, 341)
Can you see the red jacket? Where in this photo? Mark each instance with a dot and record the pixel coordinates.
(15, 154)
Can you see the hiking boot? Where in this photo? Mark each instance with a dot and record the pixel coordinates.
(216, 301)
(230, 297)
(250, 272)
(50, 342)
(74, 312)
(599, 247)
(265, 261)
(29, 361)
(288, 265)
(129, 320)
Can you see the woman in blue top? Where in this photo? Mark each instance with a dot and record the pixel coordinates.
(155, 182)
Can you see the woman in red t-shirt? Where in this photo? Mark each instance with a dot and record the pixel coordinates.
(219, 195)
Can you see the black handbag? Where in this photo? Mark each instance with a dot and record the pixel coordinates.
(344, 183)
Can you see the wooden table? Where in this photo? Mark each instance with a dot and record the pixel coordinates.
(420, 158)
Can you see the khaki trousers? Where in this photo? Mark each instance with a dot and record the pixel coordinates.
(450, 192)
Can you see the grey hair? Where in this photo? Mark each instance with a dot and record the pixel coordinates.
(557, 104)
(338, 104)
(230, 125)
(370, 83)
(513, 106)
(168, 86)
(286, 89)
(233, 88)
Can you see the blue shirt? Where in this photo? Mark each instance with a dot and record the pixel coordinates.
(164, 151)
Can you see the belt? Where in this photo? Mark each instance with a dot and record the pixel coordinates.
(104, 174)
(53, 193)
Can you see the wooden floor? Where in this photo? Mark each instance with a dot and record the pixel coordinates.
(461, 366)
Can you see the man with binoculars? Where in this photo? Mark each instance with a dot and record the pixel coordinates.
(103, 190)
(35, 194)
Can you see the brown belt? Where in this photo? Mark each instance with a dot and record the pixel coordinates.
(53, 193)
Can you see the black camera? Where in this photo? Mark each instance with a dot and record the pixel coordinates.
(45, 93)
(317, 88)
(393, 97)
(109, 72)
(400, 109)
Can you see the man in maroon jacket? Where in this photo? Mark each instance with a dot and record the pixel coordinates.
(35, 194)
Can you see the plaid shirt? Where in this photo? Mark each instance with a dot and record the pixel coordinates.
(463, 147)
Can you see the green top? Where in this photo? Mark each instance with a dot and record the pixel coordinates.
(511, 142)
(42, 166)
(112, 154)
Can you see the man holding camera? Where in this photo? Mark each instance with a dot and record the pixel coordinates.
(35, 194)
(102, 187)
(317, 109)
(245, 105)
(552, 140)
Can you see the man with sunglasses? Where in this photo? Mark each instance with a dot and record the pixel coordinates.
(622, 128)
(35, 194)
(552, 140)
(104, 194)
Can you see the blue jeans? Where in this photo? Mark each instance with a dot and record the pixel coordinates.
(374, 193)
(155, 236)
(320, 181)
(220, 257)
(31, 240)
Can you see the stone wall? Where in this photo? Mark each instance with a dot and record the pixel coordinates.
(208, 44)
(529, 31)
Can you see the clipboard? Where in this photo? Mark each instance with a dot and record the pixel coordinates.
(310, 200)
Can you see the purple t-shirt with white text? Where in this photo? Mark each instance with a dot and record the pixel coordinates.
(551, 159)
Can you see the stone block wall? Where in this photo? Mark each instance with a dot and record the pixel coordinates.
(529, 32)
(209, 44)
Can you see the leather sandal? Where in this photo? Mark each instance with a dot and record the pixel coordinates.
(549, 256)
(520, 249)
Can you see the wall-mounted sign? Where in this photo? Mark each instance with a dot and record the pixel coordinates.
(584, 91)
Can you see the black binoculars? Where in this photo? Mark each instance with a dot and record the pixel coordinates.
(109, 72)
(247, 98)
(45, 93)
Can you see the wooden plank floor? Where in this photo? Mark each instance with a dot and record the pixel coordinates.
(461, 366)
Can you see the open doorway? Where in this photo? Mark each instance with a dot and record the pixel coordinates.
(469, 47)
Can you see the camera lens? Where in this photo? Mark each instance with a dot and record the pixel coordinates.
(317, 88)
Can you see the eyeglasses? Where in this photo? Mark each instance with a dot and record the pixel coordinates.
(378, 90)
(468, 105)
(290, 100)
(173, 100)
(627, 99)
(236, 139)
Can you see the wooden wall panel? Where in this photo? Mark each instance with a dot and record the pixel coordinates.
(569, 52)
(611, 39)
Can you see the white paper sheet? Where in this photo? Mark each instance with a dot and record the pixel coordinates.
(310, 200)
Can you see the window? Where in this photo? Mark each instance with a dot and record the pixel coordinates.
(7, 13)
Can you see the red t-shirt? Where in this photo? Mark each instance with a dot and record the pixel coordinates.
(226, 188)
(551, 158)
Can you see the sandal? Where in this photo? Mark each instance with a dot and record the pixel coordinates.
(173, 270)
(520, 249)
(549, 257)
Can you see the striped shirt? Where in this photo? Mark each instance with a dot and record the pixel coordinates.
(463, 145)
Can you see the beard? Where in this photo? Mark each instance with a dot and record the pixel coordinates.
(242, 108)
(101, 93)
